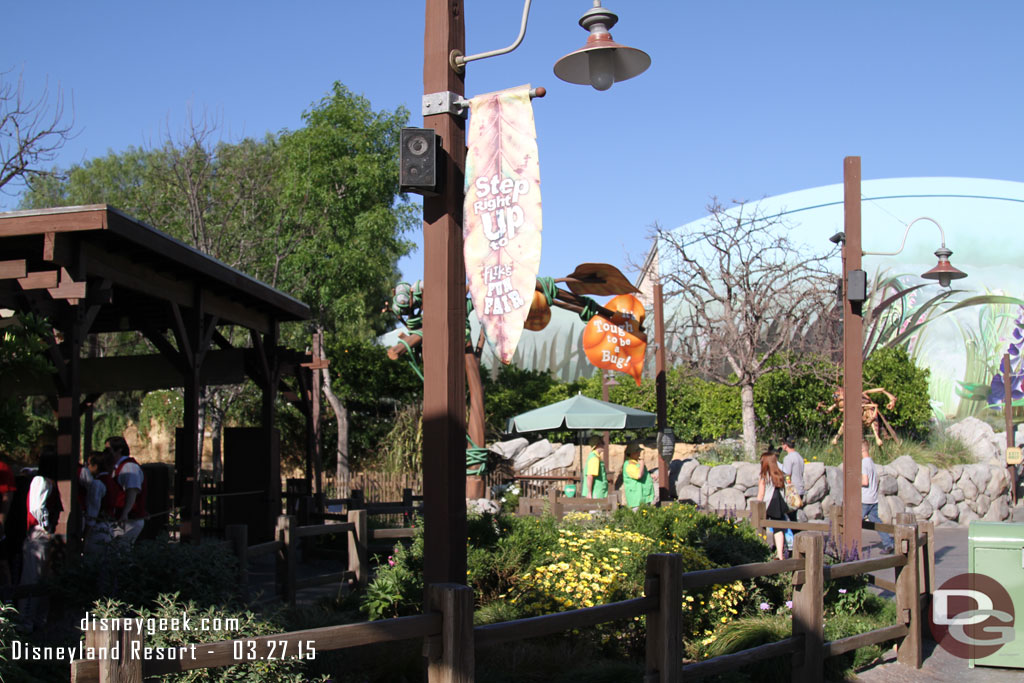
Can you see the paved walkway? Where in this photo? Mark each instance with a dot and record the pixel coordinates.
(950, 559)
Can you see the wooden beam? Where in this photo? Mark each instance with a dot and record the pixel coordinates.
(45, 279)
(13, 269)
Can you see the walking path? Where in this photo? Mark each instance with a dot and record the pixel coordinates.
(951, 558)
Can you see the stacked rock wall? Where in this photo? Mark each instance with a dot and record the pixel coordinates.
(945, 497)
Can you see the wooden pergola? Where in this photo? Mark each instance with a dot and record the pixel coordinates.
(93, 270)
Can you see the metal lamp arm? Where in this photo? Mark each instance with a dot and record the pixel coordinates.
(458, 61)
(904, 242)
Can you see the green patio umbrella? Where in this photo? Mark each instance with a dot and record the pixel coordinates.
(581, 413)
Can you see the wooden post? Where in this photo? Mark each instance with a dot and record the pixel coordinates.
(124, 668)
(757, 515)
(408, 516)
(853, 362)
(238, 535)
(664, 638)
(358, 562)
(444, 311)
(835, 528)
(450, 656)
(288, 557)
(908, 603)
(808, 607)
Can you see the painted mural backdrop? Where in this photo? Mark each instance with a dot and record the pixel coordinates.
(502, 214)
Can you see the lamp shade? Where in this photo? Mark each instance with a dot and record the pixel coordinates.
(602, 61)
(944, 271)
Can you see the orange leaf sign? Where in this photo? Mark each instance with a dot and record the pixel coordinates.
(617, 344)
(502, 214)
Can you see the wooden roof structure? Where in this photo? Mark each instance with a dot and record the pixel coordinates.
(93, 269)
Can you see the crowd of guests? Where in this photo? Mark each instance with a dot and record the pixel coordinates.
(112, 503)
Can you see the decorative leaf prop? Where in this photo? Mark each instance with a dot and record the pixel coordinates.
(618, 343)
(502, 214)
(599, 279)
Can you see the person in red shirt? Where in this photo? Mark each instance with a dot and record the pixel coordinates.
(130, 485)
(7, 489)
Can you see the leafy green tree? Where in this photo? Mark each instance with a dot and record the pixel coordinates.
(786, 401)
(892, 369)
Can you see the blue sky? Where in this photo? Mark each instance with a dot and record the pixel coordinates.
(745, 99)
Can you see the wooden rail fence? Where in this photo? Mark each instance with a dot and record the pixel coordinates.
(559, 505)
(450, 640)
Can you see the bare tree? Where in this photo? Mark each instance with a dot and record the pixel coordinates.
(746, 295)
(31, 130)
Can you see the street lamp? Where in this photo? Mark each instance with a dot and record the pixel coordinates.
(601, 61)
(944, 272)
(444, 300)
(854, 295)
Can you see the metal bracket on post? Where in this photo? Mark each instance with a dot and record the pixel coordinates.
(445, 102)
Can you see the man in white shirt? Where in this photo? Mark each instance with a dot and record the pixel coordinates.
(793, 467)
(869, 495)
(130, 484)
(44, 507)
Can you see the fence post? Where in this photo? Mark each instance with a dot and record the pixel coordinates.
(664, 635)
(808, 608)
(613, 501)
(908, 600)
(83, 670)
(358, 561)
(757, 515)
(124, 668)
(288, 557)
(238, 535)
(450, 656)
(407, 503)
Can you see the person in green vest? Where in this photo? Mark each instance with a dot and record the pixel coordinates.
(636, 480)
(595, 478)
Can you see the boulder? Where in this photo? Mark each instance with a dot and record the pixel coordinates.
(997, 511)
(564, 456)
(721, 477)
(531, 454)
(998, 483)
(950, 511)
(979, 438)
(957, 471)
(966, 515)
(884, 510)
(944, 480)
(887, 485)
(896, 505)
(951, 499)
(817, 491)
(834, 476)
(482, 505)
(980, 474)
(966, 487)
(906, 467)
(981, 504)
(699, 477)
(727, 499)
(751, 492)
(511, 448)
(690, 494)
(813, 511)
(910, 495)
(923, 512)
(685, 471)
(936, 497)
(827, 503)
(747, 474)
(813, 471)
(923, 480)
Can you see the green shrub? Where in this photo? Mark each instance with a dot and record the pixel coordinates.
(894, 370)
(786, 403)
(209, 625)
(136, 576)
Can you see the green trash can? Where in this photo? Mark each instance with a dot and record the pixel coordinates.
(570, 490)
(996, 550)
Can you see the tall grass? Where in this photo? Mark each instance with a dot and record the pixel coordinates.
(941, 450)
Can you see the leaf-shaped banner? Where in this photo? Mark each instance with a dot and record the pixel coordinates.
(617, 343)
(599, 279)
(502, 214)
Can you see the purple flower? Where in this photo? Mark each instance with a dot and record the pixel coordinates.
(765, 606)
(997, 392)
(842, 590)
(789, 604)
